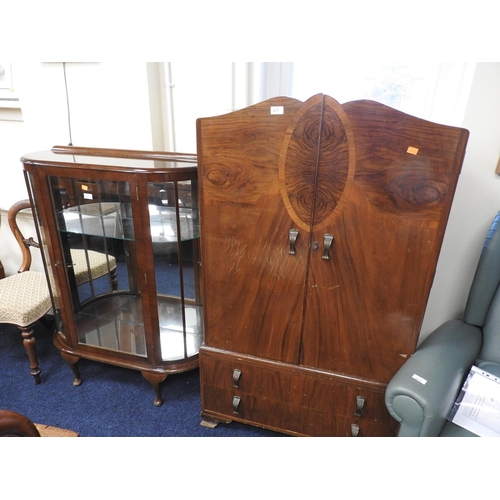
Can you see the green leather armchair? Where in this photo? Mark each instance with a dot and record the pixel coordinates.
(422, 393)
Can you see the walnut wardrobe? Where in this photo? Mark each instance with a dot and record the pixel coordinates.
(321, 226)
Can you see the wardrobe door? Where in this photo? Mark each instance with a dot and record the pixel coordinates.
(253, 272)
(365, 304)
(321, 157)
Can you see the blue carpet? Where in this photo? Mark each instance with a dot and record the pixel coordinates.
(111, 401)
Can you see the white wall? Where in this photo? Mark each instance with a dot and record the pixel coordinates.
(109, 104)
(110, 108)
(476, 202)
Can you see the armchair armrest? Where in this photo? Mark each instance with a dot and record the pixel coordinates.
(421, 394)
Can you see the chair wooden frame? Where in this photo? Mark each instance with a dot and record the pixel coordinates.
(25, 296)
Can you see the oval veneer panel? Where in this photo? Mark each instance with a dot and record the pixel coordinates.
(317, 162)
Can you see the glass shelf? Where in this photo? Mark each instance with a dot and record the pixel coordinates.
(116, 323)
(97, 219)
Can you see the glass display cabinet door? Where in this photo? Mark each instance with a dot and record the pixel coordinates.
(95, 224)
(175, 232)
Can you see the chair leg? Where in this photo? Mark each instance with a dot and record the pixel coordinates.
(29, 343)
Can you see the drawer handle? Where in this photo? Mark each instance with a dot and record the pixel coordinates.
(360, 403)
(236, 378)
(354, 430)
(292, 240)
(327, 242)
(236, 405)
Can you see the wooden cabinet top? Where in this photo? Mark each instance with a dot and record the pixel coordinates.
(112, 159)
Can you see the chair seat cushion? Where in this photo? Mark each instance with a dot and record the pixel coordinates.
(24, 298)
(99, 263)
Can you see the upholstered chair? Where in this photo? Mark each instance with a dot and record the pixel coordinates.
(423, 392)
(25, 297)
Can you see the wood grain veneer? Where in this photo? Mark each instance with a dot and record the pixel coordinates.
(381, 183)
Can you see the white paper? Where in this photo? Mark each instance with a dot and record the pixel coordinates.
(479, 409)
(420, 379)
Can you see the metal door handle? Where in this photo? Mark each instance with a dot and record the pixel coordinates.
(327, 242)
(236, 405)
(360, 403)
(292, 239)
(236, 378)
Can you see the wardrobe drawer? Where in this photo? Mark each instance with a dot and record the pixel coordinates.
(226, 406)
(290, 398)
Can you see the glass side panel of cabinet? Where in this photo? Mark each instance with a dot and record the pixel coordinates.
(163, 212)
(95, 225)
(42, 240)
(175, 235)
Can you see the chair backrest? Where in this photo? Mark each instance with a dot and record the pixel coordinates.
(25, 244)
(483, 303)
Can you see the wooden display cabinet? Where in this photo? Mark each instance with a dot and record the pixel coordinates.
(136, 213)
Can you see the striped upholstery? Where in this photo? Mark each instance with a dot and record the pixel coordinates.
(24, 298)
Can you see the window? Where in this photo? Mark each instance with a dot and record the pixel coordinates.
(196, 90)
(191, 90)
(429, 90)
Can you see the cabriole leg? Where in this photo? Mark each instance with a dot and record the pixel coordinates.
(72, 362)
(155, 379)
